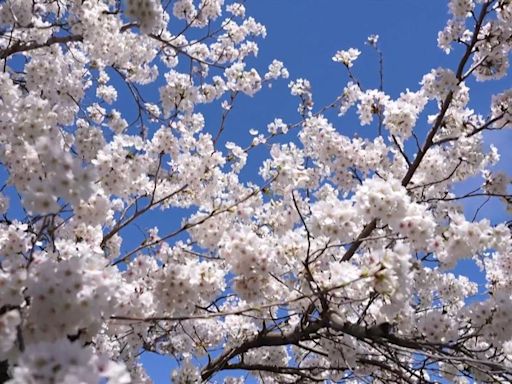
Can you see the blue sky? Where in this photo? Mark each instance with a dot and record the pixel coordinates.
(305, 34)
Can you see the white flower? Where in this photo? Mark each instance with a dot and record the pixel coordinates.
(347, 57)
(8, 331)
(65, 362)
(373, 40)
(276, 70)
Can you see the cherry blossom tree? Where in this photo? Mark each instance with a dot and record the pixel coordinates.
(338, 266)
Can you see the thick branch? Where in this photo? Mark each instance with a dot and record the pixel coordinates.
(262, 340)
(21, 46)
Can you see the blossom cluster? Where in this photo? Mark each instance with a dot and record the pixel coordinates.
(128, 230)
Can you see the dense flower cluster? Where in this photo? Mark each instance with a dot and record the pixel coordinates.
(65, 362)
(148, 13)
(344, 260)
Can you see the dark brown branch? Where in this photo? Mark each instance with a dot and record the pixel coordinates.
(262, 339)
(20, 46)
(120, 225)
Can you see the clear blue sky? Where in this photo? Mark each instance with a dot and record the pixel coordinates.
(305, 34)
